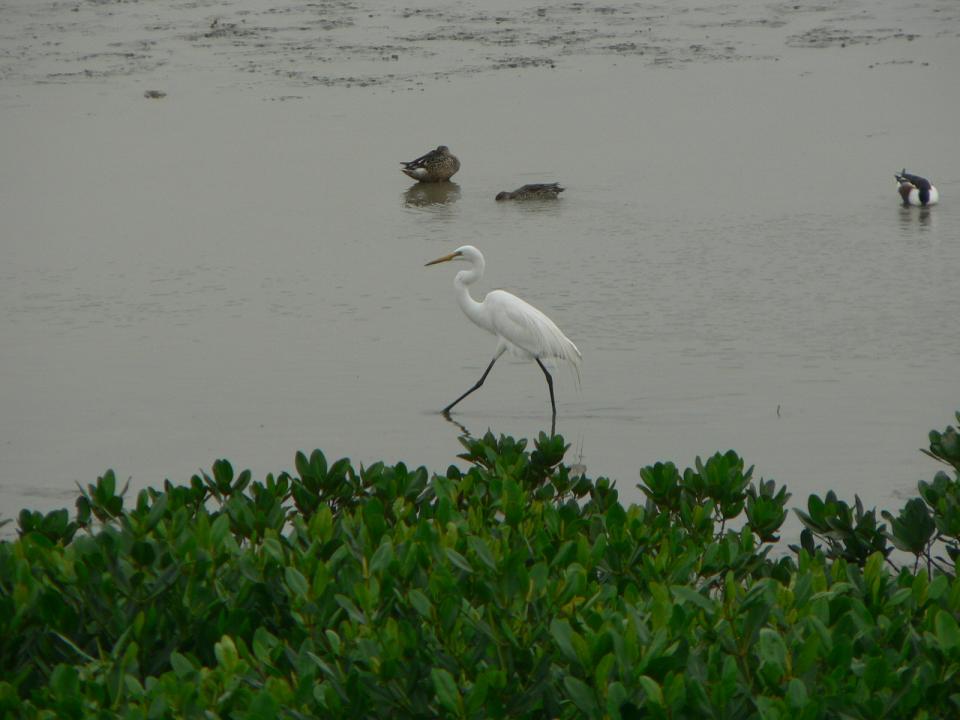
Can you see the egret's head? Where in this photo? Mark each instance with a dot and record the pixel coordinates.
(446, 258)
(466, 252)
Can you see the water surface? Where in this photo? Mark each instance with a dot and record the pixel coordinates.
(236, 269)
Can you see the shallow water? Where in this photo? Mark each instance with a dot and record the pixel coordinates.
(236, 269)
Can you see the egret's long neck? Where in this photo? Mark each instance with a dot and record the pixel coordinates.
(471, 308)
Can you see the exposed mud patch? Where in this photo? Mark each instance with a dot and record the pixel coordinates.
(828, 37)
(314, 42)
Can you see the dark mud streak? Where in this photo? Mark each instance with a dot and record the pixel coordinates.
(55, 41)
(826, 37)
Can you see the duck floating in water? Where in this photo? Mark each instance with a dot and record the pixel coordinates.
(915, 190)
(436, 166)
(534, 191)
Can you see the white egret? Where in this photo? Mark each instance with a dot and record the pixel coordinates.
(519, 326)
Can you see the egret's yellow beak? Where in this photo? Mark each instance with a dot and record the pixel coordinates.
(445, 258)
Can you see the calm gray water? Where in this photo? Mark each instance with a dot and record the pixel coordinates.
(236, 270)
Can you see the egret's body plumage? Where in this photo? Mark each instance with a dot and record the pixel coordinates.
(435, 166)
(518, 326)
(916, 190)
(526, 331)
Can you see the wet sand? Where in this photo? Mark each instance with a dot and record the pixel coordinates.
(233, 268)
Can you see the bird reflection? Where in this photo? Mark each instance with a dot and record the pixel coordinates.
(465, 432)
(911, 216)
(427, 194)
(463, 428)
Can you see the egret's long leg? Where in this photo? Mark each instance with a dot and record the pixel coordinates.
(479, 383)
(553, 403)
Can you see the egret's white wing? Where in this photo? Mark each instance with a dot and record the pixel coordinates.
(527, 329)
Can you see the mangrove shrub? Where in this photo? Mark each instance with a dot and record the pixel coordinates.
(516, 588)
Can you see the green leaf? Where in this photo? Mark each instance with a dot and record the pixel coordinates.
(482, 551)
(773, 656)
(263, 707)
(219, 530)
(920, 588)
(421, 603)
(582, 695)
(273, 548)
(352, 610)
(899, 597)
(157, 511)
(106, 485)
(938, 586)
(373, 517)
(616, 696)
(334, 640)
(772, 647)
(296, 582)
(181, 665)
(65, 682)
(768, 708)
(675, 691)
(796, 695)
(447, 692)
(459, 560)
(948, 632)
(602, 670)
(913, 527)
(689, 595)
(652, 689)
(226, 653)
(563, 634)
(263, 644)
(875, 673)
(477, 695)
(382, 557)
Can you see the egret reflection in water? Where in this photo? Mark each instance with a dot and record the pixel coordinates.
(427, 194)
(464, 431)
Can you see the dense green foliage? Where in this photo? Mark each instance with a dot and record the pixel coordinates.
(514, 589)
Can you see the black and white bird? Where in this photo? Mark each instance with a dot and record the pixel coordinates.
(916, 190)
